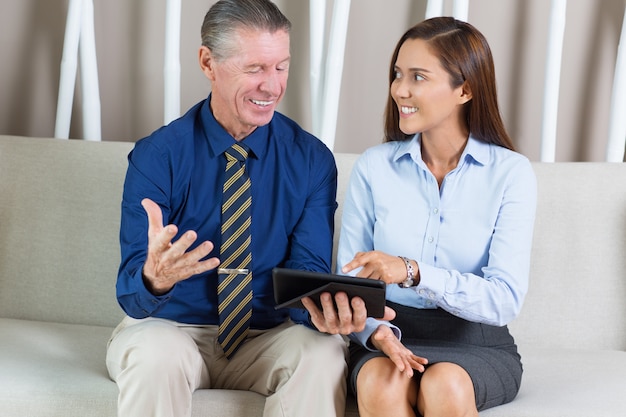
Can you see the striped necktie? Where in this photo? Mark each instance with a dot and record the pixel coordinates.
(235, 278)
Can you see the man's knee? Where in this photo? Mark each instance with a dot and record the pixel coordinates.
(151, 349)
(319, 355)
(320, 348)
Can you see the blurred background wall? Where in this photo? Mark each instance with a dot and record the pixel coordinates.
(130, 39)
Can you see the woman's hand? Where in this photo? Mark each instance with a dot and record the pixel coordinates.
(386, 341)
(380, 266)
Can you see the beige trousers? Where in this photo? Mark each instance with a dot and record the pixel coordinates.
(158, 364)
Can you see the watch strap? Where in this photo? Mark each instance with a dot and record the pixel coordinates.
(410, 273)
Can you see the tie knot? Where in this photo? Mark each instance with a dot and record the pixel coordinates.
(238, 151)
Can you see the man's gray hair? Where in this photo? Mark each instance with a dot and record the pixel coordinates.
(226, 17)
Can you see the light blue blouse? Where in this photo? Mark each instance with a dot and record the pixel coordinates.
(471, 237)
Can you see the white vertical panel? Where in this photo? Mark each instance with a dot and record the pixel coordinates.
(460, 9)
(171, 66)
(334, 71)
(79, 41)
(617, 118)
(89, 75)
(69, 65)
(434, 8)
(552, 80)
(317, 10)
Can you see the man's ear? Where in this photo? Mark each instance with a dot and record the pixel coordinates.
(207, 62)
(466, 93)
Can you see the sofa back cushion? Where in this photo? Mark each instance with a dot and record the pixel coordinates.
(59, 227)
(577, 294)
(59, 247)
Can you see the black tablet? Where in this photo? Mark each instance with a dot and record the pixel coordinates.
(291, 285)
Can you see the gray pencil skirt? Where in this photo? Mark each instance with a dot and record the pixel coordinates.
(487, 353)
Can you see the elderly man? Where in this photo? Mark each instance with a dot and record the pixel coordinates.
(212, 203)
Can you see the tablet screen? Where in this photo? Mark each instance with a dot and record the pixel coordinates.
(291, 285)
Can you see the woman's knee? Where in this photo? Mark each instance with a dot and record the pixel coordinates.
(447, 385)
(380, 385)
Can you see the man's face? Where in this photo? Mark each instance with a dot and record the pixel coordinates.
(247, 86)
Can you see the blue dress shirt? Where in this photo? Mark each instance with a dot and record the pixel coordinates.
(181, 168)
(471, 237)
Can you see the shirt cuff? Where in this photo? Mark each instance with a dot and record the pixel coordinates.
(149, 301)
(432, 285)
(301, 316)
(371, 325)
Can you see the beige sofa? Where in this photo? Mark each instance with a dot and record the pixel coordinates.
(59, 220)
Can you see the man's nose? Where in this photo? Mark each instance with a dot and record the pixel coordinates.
(273, 83)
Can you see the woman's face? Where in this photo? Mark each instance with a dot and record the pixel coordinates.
(426, 101)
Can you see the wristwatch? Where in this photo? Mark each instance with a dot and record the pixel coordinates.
(409, 281)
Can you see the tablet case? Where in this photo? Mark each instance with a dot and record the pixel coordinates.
(290, 285)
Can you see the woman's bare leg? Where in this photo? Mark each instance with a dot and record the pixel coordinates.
(446, 390)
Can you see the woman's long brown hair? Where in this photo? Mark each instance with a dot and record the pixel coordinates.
(465, 55)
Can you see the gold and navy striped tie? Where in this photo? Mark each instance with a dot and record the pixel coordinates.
(235, 277)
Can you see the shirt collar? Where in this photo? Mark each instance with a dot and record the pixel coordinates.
(220, 140)
(409, 147)
(475, 149)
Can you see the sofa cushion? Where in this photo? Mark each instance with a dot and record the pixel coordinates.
(569, 383)
(58, 370)
(53, 369)
(576, 298)
(555, 383)
(59, 228)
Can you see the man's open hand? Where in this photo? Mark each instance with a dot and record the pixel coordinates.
(169, 262)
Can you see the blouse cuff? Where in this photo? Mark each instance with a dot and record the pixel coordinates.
(371, 325)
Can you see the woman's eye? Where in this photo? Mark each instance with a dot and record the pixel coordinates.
(418, 77)
(397, 75)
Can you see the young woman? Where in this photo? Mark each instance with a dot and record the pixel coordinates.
(443, 212)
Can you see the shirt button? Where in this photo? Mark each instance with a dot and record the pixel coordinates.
(436, 211)
(431, 239)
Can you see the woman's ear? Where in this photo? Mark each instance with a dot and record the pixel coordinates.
(466, 93)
